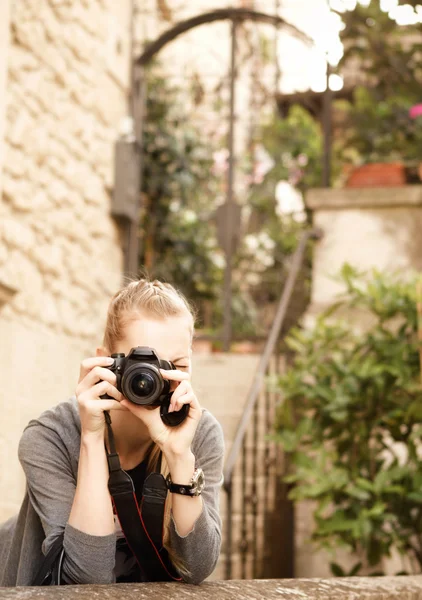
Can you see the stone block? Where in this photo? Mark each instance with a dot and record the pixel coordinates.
(48, 258)
(16, 133)
(16, 167)
(16, 234)
(62, 9)
(18, 192)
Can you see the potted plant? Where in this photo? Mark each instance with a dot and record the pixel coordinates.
(381, 139)
(377, 137)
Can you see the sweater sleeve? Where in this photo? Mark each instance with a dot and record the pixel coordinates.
(200, 548)
(51, 487)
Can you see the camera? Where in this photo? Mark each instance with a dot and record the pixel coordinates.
(139, 379)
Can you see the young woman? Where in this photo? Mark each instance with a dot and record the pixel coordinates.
(63, 454)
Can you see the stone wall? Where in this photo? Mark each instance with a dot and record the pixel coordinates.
(4, 47)
(60, 256)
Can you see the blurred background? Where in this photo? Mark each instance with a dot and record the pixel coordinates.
(266, 158)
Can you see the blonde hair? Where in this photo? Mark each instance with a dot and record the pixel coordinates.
(137, 299)
(140, 298)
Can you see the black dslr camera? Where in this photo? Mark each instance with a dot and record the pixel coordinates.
(139, 379)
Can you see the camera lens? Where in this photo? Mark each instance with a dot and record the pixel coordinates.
(142, 385)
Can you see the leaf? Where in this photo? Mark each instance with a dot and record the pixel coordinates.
(365, 484)
(358, 493)
(336, 570)
(355, 570)
(415, 497)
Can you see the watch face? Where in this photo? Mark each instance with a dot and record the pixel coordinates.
(198, 481)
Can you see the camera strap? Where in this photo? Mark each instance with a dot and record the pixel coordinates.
(142, 525)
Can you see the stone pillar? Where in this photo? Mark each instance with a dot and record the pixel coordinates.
(371, 227)
(4, 47)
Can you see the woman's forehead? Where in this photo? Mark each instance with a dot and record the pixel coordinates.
(170, 337)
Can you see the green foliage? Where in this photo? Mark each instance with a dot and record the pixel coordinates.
(380, 129)
(376, 125)
(294, 145)
(351, 416)
(388, 54)
(178, 242)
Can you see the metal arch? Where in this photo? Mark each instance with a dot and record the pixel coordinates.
(233, 14)
(236, 16)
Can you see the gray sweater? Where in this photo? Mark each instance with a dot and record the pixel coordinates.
(49, 454)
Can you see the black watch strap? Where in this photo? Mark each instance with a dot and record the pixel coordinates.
(185, 490)
(192, 489)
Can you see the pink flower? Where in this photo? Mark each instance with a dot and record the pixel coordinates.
(221, 164)
(415, 111)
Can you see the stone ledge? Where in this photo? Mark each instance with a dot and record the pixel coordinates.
(351, 588)
(339, 198)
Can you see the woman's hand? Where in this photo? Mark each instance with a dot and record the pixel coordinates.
(94, 381)
(173, 441)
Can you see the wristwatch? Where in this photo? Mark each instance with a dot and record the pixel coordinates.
(195, 487)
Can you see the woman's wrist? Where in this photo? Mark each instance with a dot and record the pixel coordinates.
(92, 438)
(181, 466)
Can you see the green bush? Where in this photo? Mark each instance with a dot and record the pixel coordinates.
(350, 421)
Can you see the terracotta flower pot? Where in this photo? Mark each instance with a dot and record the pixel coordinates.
(378, 175)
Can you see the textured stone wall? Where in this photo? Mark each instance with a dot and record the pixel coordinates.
(68, 69)
(4, 46)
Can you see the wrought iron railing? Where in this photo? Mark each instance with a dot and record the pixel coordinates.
(259, 510)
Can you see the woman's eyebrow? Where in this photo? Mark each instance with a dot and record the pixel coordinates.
(180, 358)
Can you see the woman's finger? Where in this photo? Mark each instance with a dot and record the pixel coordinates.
(188, 398)
(95, 407)
(110, 405)
(89, 363)
(94, 376)
(99, 389)
(177, 404)
(175, 375)
(181, 389)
